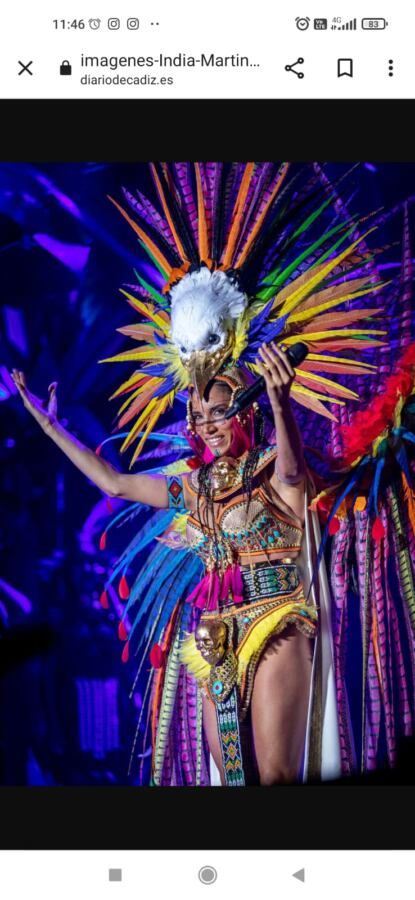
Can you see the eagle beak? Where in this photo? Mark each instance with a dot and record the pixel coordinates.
(204, 365)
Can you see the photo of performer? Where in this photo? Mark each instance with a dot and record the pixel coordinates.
(262, 296)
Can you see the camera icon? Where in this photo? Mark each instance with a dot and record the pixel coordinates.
(114, 24)
(133, 24)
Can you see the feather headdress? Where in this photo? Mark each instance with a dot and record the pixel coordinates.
(242, 254)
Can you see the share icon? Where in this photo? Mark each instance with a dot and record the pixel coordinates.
(291, 68)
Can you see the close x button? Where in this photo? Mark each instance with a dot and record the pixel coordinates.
(25, 68)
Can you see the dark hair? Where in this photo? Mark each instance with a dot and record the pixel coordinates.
(222, 384)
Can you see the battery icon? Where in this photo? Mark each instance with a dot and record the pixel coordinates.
(374, 24)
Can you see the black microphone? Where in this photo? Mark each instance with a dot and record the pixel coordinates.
(296, 353)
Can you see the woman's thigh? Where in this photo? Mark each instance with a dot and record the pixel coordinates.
(280, 704)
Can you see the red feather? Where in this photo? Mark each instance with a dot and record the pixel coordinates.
(369, 423)
(103, 541)
(157, 656)
(378, 531)
(104, 600)
(125, 653)
(123, 589)
(334, 525)
(122, 634)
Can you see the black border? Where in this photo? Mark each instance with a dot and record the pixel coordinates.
(134, 130)
(342, 816)
(281, 818)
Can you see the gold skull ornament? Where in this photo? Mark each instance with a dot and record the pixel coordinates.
(224, 473)
(211, 640)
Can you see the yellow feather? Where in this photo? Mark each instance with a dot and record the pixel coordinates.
(192, 659)
(315, 279)
(341, 333)
(131, 382)
(142, 389)
(273, 623)
(147, 310)
(134, 355)
(240, 336)
(138, 423)
(129, 400)
(315, 310)
(311, 402)
(342, 359)
(298, 282)
(299, 389)
(332, 385)
(163, 402)
(325, 294)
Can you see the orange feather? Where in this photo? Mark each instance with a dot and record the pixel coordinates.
(151, 246)
(236, 215)
(242, 256)
(201, 217)
(167, 212)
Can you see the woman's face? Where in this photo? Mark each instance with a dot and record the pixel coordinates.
(208, 419)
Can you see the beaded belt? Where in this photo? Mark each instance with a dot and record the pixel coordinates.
(270, 581)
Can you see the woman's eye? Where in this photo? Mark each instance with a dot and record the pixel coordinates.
(220, 411)
(213, 339)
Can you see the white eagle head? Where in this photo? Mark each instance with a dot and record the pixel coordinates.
(204, 308)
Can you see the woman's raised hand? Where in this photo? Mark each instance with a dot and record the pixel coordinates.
(278, 373)
(44, 411)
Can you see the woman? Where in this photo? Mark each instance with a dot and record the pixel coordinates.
(250, 651)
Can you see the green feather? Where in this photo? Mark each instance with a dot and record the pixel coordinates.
(152, 291)
(153, 259)
(278, 280)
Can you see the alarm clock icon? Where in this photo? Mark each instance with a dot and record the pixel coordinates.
(302, 23)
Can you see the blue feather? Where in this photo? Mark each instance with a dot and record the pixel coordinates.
(350, 484)
(374, 489)
(140, 541)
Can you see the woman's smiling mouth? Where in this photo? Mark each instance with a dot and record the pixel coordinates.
(215, 441)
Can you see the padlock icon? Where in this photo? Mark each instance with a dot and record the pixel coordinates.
(66, 68)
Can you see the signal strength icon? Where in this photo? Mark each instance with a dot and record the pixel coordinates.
(348, 26)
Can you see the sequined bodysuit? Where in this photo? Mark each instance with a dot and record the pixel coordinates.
(262, 542)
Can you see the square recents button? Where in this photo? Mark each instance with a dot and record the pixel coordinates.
(115, 874)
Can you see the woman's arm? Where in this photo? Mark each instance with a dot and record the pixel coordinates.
(148, 489)
(289, 474)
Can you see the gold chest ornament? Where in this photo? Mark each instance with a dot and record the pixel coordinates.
(224, 473)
